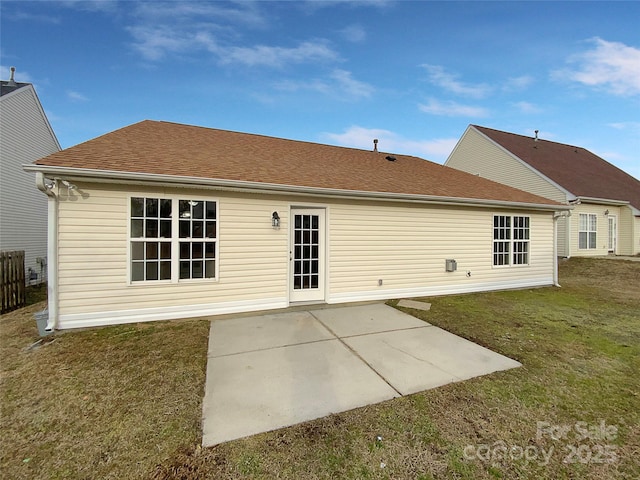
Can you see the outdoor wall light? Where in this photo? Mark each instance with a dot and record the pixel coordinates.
(606, 213)
(275, 220)
(70, 186)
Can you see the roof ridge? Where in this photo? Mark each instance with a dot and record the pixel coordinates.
(308, 142)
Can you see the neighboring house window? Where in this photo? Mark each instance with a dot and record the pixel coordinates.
(198, 233)
(587, 231)
(510, 240)
(160, 226)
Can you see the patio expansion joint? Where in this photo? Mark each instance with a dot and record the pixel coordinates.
(354, 352)
(273, 348)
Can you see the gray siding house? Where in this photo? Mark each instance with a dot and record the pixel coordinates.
(25, 136)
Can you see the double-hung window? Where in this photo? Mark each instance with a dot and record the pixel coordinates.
(587, 230)
(510, 240)
(172, 239)
(197, 235)
(150, 239)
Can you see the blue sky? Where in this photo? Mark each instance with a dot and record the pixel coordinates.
(412, 74)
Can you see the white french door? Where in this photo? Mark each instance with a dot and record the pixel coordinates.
(307, 243)
(613, 233)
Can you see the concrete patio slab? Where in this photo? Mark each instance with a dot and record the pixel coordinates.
(422, 358)
(264, 331)
(264, 390)
(363, 319)
(270, 371)
(415, 304)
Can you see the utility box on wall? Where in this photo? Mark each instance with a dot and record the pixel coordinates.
(451, 265)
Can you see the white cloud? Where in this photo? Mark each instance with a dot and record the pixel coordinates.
(91, 5)
(154, 42)
(264, 55)
(612, 66)
(349, 85)
(526, 107)
(76, 96)
(339, 84)
(388, 141)
(448, 81)
(452, 109)
(354, 33)
(518, 83)
(247, 13)
(632, 126)
(31, 17)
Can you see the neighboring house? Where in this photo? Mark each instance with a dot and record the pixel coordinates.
(606, 217)
(159, 220)
(25, 136)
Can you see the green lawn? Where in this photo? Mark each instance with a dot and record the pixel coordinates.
(125, 402)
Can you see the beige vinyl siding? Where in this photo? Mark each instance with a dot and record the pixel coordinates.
(406, 247)
(25, 136)
(636, 236)
(477, 154)
(602, 229)
(628, 232)
(563, 236)
(403, 244)
(94, 242)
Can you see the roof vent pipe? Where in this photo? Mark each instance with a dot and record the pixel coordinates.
(375, 144)
(536, 139)
(12, 82)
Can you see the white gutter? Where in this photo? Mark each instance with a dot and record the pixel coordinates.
(556, 216)
(110, 176)
(603, 201)
(52, 251)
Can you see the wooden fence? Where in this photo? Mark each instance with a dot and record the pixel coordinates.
(12, 281)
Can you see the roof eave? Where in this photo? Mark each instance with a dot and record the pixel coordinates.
(603, 201)
(112, 176)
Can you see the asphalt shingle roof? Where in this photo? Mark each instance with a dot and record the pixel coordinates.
(576, 169)
(6, 87)
(152, 147)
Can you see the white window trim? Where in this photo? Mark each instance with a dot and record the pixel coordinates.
(511, 241)
(175, 241)
(595, 247)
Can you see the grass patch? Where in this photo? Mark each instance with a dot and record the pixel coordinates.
(125, 401)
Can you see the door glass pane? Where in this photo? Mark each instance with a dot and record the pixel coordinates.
(306, 252)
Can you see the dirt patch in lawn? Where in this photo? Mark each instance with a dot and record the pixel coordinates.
(125, 402)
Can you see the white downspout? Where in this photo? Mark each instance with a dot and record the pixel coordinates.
(52, 249)
(556, 216)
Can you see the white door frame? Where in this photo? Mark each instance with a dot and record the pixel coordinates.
(612, 238)
(307, 292)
